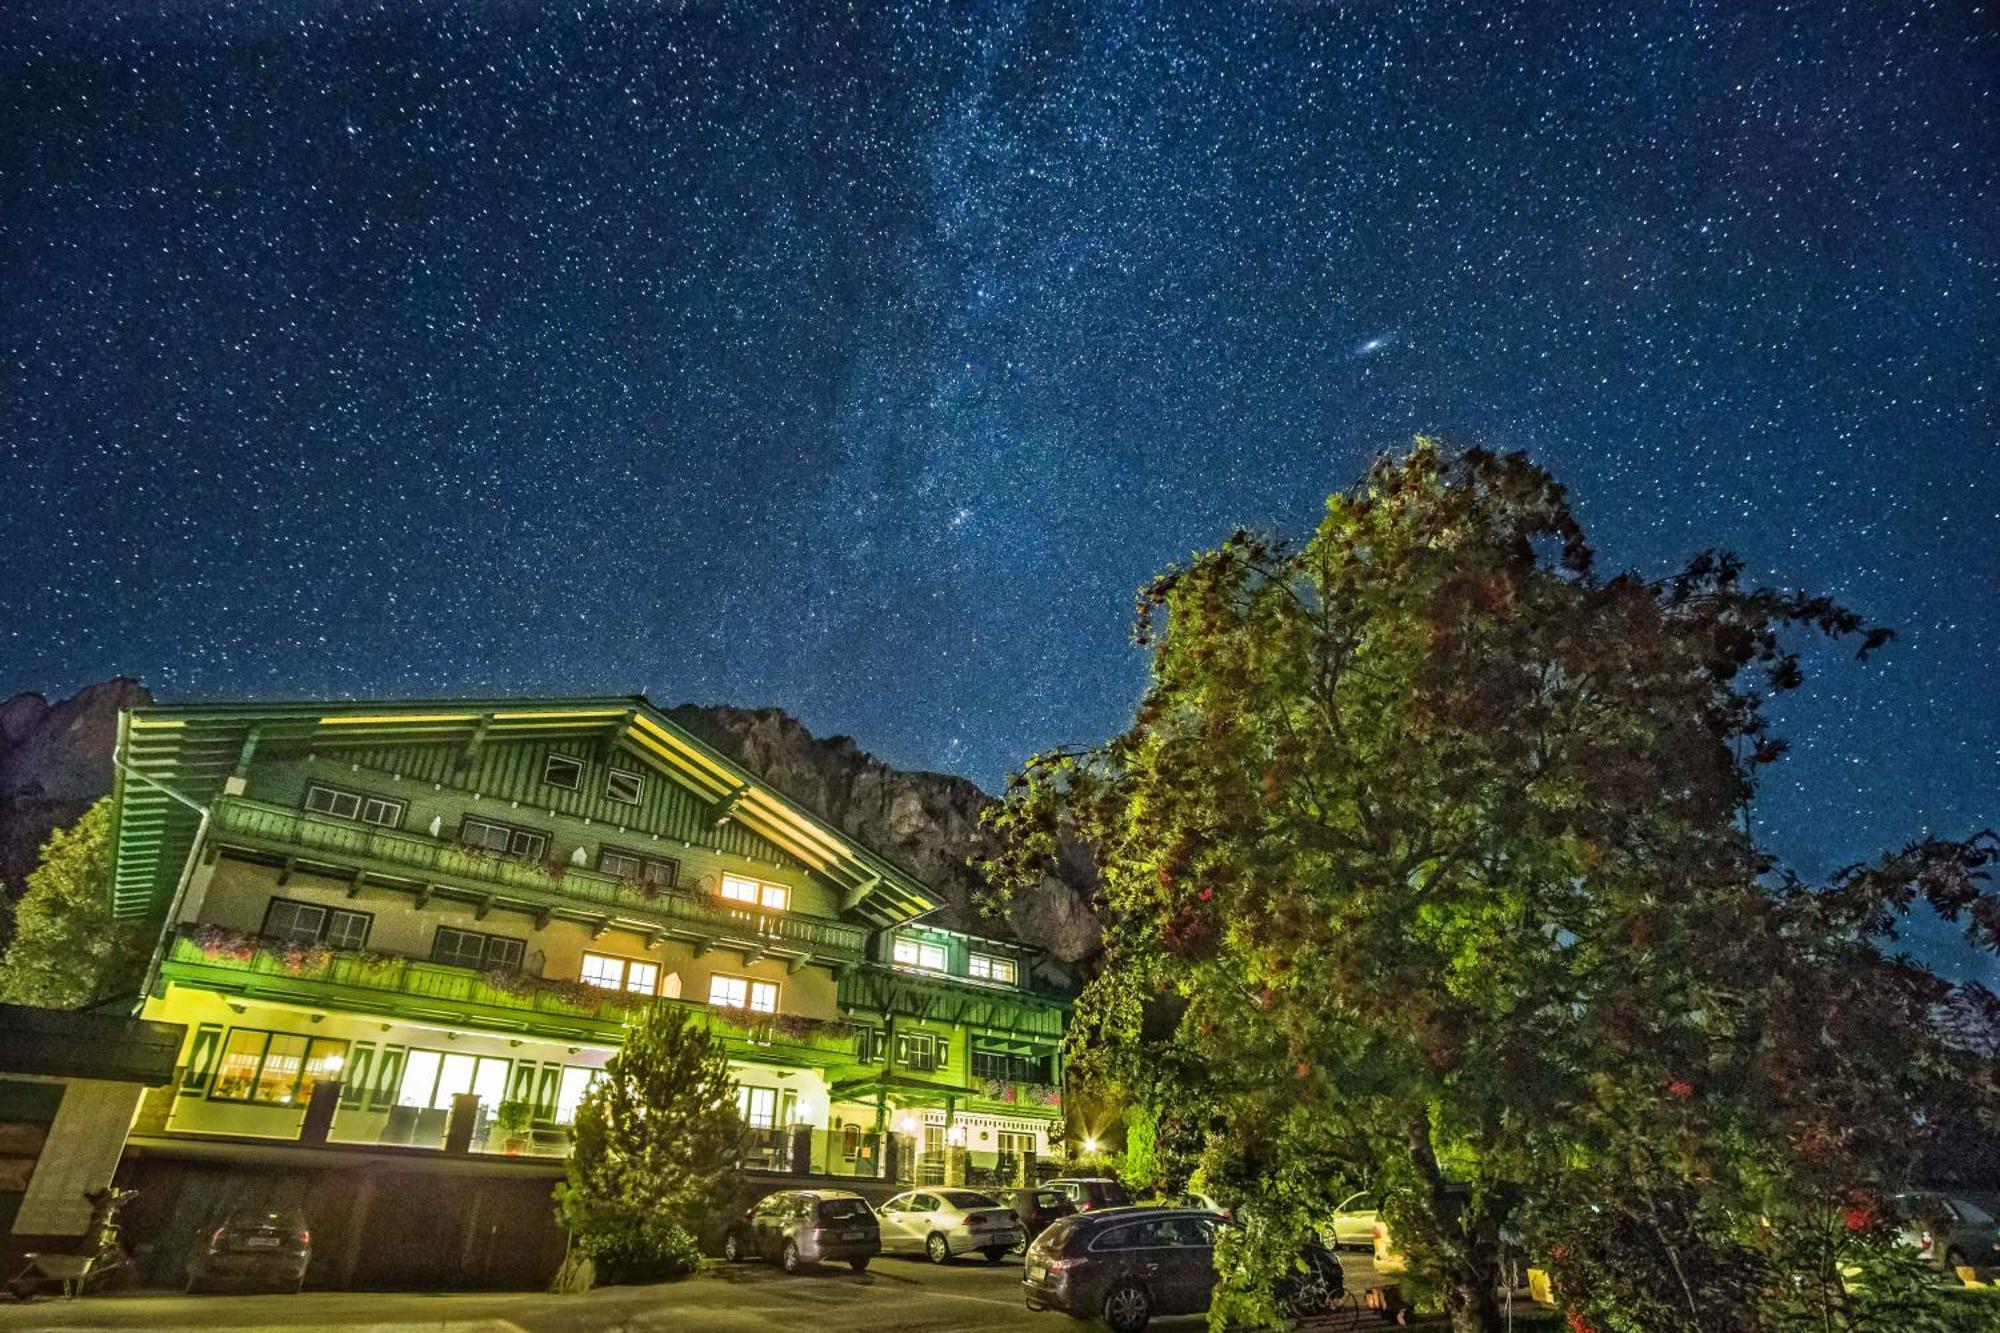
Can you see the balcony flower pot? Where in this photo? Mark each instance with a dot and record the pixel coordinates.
(514, 1119)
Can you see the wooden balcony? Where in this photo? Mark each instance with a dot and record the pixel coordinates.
(439, 865)
(418, 990)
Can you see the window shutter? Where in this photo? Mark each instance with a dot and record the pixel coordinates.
(354, 1082)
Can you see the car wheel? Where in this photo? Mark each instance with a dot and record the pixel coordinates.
(859, 1265)
(788, 1258)
(936, 1248)
(1953, 1261)
(1020, 1245)
(732, 1248)
(1126, 1308)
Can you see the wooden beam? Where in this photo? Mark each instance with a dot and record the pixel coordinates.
(543, 917)
(725, 809)
(481, 908)
(285, 870)
(597, 930)
(424, 892)
(354, 883)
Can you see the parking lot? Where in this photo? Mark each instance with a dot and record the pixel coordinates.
(896, 1294)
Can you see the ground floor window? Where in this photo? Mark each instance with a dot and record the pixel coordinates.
(432, 1078)
(759, 1107)
(274, 1068)
(570, 1089)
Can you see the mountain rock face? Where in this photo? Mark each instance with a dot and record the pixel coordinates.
(926, 822)
(55, 761)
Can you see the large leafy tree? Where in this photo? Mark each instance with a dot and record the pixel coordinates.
(654, 1149)
(1423, 866)
(67, 952)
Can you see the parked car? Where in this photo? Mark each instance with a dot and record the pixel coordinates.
(1353, 1225)
(1035, 1209)
(800, 1227)
(1090, 1193)
(1199, 1202)
(1124, 1265)
(1949, 1230)
(944, 1221)
(252, 1248)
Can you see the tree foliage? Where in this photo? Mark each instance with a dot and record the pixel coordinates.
(1422, 866)
(653, 1153)
(67, 952)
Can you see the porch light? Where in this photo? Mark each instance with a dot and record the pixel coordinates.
(1090, 1145)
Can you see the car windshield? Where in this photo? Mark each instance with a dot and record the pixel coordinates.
(1110, 1192)
(969, 1199)
(842, 1210)
(1972, 1214)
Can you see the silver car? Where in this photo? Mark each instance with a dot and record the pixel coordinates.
(945, 1220)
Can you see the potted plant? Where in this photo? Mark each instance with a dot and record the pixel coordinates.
(514, 1118)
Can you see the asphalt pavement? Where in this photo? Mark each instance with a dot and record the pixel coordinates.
(896, 1295)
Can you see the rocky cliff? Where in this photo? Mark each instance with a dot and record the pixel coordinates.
(55, 759)
(926, 822)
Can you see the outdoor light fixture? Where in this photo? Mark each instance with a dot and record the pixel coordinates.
(1090, 1145)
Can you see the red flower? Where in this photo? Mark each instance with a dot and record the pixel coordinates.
(1681, 1088)
(1207, 894)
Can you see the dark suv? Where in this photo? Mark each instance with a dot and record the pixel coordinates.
(1037, 1207)
(1090, 1193)
(800, 1227)
(1124, 1264)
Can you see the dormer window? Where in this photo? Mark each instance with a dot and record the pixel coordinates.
(623, 787)
(987, 967)
(560, 770)
(919, 953)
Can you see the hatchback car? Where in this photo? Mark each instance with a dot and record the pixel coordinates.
(800, 1227)
(1124, 1265)
(1353, 1225)
(252, 1248)
(1036, 1208)
(939, 1223)
(1090, 1193)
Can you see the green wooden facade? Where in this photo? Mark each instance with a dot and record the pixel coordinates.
(491, 888)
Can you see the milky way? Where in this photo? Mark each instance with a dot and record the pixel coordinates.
(863, 363)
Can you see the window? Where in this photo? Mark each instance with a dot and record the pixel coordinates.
(658, 872)
(1008, 1067)
(623, 787)
(919, 953)
(759, 997)
(469, 948)
(569, 1091)
(922, 1050)
(759, 1107)
(432, 1078)
(275, 1068)
(526, 843)
(986, 967)
(559, 770)
(755, 893)
(358, 806)
(627, 974)
(309, 923)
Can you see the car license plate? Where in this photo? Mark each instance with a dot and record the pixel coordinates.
(1036, 1272)
(852, 1235)
(261, 1242)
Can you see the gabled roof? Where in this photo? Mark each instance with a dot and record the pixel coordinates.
(190, 750)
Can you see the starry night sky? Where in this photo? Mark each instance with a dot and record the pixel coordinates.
(863, 361)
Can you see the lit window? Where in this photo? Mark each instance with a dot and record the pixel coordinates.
(759, 997)
(569, 1092)
(620, 973)
(276, 1068)
(918, 953)
(759, 1107)
(559, 770)
(988, 968)
(357, 806)
(754, 893)
(622, 787)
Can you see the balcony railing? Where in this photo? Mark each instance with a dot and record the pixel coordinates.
(507, 1000)
(415, 855)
